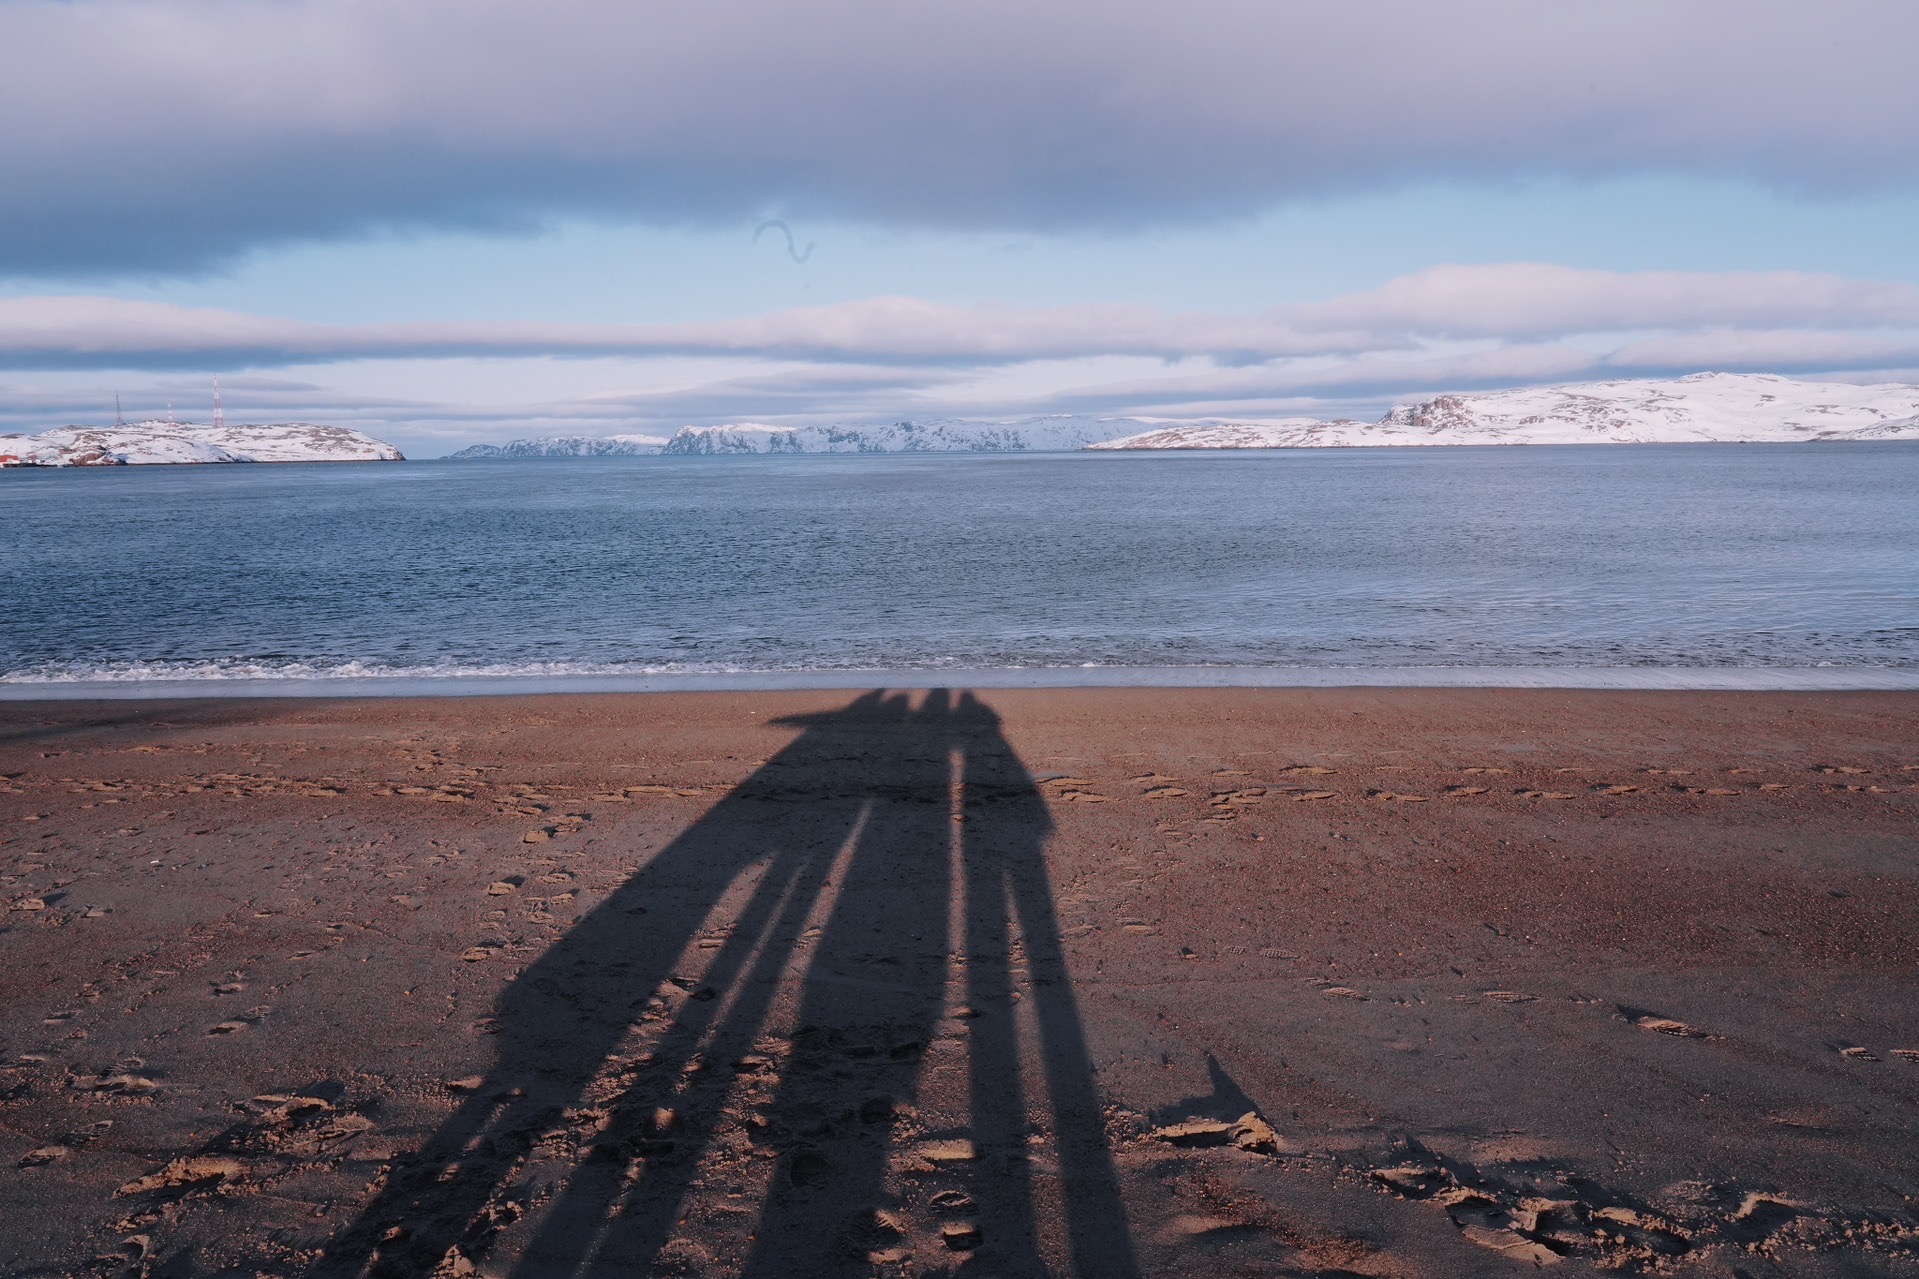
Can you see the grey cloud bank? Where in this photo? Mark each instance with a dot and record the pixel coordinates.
(168, 135)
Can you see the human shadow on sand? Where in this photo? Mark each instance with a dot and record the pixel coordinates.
(890, 861)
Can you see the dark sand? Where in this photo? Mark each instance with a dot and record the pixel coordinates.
(1106, 983)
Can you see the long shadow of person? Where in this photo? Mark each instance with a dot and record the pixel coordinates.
(870, 817)
(562, 1021)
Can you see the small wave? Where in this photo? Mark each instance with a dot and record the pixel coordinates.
(310, 678)
(254, 669)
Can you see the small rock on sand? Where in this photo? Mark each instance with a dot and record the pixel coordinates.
(1254, 1133)
(1197, 1132)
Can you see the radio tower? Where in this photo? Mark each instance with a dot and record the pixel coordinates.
(119, 418)
(219, 414)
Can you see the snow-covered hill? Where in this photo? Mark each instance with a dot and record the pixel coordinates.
(1025, 435)
(568, 446)
(157, 443)
(1719, 408)
(1277, 433)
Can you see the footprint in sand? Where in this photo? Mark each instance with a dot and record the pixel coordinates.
(1314, 770)
(953, 1151)
(1316, 794)
(1512, 1244)
(1166, 792)
(1661, 1025)
(1395, 795)
(191, 1173)
(1465, 790)
(1613, 789)
(125, 1083)
(1542, 794)
(961, 1236)
(244, 1022)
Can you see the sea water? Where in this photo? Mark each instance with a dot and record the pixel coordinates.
(1466, 564)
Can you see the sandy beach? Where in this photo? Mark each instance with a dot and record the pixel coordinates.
(1105, 983)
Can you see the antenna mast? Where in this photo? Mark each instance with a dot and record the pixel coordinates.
(170, 421)
(219, 414)
(119, 418)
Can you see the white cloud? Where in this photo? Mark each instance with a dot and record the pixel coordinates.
(1510, 302)
(1448, 328)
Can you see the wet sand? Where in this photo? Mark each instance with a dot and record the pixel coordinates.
(1114, 982)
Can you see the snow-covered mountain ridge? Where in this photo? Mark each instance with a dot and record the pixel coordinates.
(1729, 408)
(1057, 434)
(567, 446)
(165, 443)
(1706, 408)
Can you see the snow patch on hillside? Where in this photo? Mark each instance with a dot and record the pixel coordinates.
(172, 443)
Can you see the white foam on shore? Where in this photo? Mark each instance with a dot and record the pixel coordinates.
(354, 680)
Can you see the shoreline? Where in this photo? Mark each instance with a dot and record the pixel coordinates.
(1615, 678)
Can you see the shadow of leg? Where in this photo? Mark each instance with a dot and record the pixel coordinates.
(871, 1002)
(1005, 869)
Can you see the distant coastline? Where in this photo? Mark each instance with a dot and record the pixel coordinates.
(1705, 408)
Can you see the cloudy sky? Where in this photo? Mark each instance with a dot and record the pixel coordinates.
(456, 220)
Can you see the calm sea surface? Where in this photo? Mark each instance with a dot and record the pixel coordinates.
(1671, 556)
